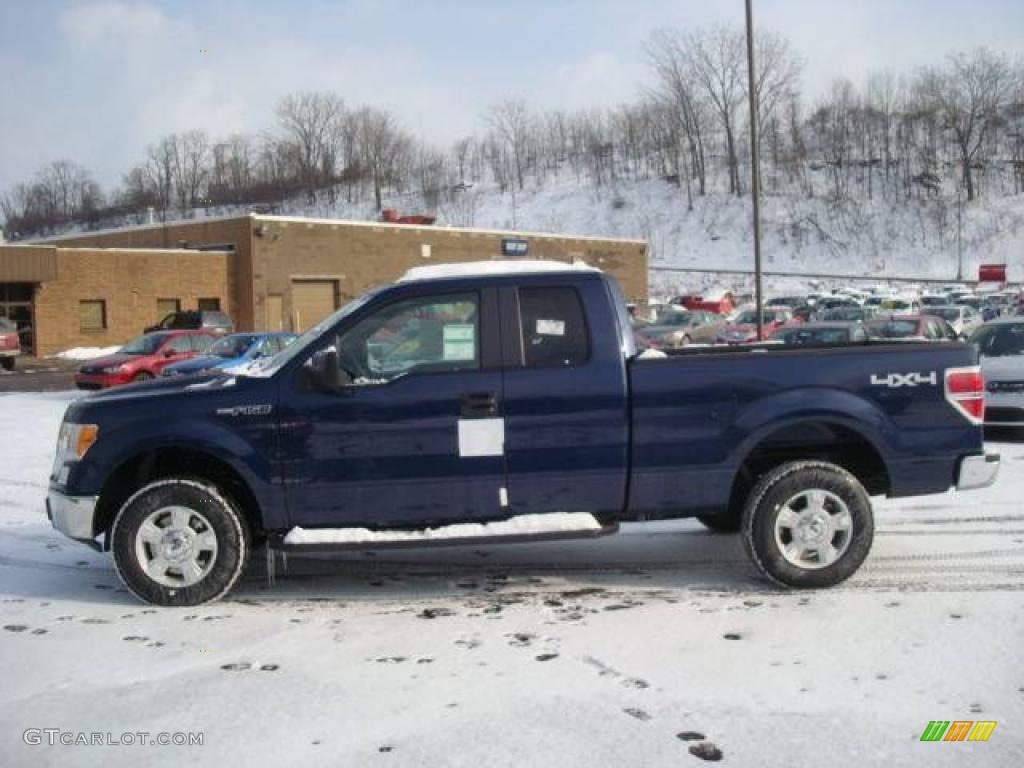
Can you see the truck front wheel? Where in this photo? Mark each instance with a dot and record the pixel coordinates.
(179, 541)
(808, 524)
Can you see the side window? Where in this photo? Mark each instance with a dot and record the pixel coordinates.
(180, 345)
(201, 343)
(425, 334)
(553, 327)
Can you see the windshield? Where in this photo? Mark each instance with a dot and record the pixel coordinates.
(232, 346)
(143, 345)
(897, 304)
(6, 325)
(268, 366)
(893, 329)
(844, 314)
(1004, 340)
(750, 317)
(946, 313)
(813, 335)
(673, 317)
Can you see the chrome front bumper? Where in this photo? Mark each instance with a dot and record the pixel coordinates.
(72, 515)
(977, 471)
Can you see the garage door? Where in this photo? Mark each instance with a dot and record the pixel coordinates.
(312, 301)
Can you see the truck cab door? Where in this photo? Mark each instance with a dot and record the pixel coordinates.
(566, 397)
(415, 437)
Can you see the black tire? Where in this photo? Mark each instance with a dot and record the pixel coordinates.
(225, 521)
(765, 504)
(726, 521)
(8, 363)
(143, 376)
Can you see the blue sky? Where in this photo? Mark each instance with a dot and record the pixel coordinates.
(96, 80)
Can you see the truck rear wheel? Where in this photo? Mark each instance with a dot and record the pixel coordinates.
(808, 524)
(179, 541)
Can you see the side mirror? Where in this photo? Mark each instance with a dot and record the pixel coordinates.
(324, 372)
(168, 353)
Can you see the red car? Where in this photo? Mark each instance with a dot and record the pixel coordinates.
(719, 302)
(10, 347)
(910, 328)
(743, 328)
(143, 358)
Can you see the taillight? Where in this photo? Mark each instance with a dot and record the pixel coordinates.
(965, 391)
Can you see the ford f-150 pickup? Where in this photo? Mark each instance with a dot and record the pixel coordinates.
(506, 401)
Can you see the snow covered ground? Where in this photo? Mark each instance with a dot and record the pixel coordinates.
(585, 653)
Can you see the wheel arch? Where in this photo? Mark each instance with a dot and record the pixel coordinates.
(828, 438)
(175, 460)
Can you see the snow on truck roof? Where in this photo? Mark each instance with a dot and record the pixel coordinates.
(492, 268)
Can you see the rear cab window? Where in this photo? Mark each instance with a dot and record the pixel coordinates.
(553, 327)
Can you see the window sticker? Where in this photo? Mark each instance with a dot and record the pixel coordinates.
(460, 342)
(550, 327)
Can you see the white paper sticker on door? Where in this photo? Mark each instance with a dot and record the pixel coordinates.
(550, 327)
(481, 437)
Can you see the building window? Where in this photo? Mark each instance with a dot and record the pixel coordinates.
(209, 305)
(92, 315)
(165, 307)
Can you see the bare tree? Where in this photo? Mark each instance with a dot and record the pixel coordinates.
(970, 91)
(189, 167)
(312, 123)
(382, 148)
(511, 122)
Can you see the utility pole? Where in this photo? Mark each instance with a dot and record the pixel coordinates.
(755, 170)
(959, 234)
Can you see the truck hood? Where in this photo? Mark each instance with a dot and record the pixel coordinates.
(175, 386)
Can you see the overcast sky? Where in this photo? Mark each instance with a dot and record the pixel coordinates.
(95, 81)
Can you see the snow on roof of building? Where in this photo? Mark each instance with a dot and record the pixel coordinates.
(492, 268)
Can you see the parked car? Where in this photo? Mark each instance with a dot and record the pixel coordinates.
(143, 358)
(717, 301)
(786, 301)
(742, 329)
(10, 344)
(834, 302)
(935, 300)
(846, 315)
(674, 327)
(910, 328)
(821, 334)
(963, 319)
(213, 321)
(236, 349)
(548, 427)
(1001, 349)
(900, 305)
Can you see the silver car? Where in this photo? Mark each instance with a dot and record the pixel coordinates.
(963, 319)
(1001, 347)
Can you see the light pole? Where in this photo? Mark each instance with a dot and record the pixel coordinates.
(959, 234)
(755, 169)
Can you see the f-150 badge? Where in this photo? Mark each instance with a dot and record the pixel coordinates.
(246, 410)
(897, 380)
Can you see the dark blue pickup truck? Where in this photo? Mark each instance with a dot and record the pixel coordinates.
(505, 401)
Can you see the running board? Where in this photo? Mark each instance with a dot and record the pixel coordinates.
(546, 527)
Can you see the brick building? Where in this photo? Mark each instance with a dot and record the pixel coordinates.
(268, 272)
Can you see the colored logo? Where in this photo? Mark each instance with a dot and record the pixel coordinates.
(958, 730)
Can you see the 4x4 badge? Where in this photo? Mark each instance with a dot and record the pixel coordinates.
(897, 380)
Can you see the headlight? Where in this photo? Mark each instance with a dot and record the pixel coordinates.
(73, 443)
(114, 369)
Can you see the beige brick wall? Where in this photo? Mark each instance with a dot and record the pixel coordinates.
(130, 281)
(362, 257)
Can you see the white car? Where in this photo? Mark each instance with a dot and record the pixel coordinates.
(1000, 345)
(963, 319)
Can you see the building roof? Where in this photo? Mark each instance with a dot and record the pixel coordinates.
(334, 222)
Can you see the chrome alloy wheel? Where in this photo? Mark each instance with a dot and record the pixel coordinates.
(813, 529)
(176, 546)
